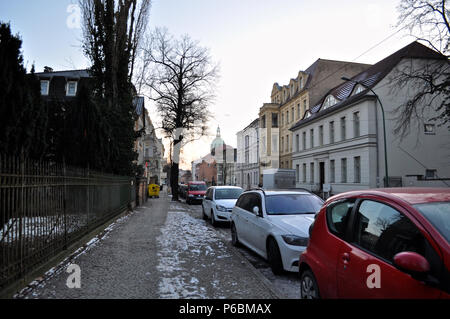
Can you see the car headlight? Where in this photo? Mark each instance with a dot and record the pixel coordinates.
(221, 208)
(190, 195)
(295, 240)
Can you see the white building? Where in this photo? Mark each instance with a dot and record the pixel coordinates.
(340, 141)
(247, 169)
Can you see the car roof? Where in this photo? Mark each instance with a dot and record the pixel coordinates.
(280, 192)
(223, 187)
(411, 195)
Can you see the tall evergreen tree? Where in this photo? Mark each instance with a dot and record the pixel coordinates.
(112, 31)
(23, 116)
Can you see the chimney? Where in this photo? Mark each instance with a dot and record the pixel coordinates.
(48, 69)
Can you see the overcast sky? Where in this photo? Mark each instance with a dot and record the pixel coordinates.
(256, 43)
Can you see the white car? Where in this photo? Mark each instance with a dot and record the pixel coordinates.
(219, 202)
(275, 225)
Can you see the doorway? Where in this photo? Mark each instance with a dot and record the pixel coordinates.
(322, 174)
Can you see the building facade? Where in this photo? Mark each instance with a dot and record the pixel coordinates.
(247, 167)
(149, 147)
(290, 102)
(206, 170)
(339, 142)
(219, 166)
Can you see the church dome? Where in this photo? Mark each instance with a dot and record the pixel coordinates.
(218, 141)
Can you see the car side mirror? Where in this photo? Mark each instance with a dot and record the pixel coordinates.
(256, 211)
(412, 263)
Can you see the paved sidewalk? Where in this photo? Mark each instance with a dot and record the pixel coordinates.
(160, 251)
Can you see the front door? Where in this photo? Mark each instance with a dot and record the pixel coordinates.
(322, 174)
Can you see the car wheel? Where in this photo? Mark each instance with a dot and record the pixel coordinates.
(274, 257)
(203, 214)
(308, 286)
(234, 236)
(213, 219)
(188, 201)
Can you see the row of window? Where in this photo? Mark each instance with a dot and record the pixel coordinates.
(247, 179)
(331, 135)
(288, 117)
(71, 88)
(287, 93)
(332, 172)
(286, 144)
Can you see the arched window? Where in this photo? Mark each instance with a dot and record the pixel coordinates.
(329, 101)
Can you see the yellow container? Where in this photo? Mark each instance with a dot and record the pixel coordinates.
(153, 190)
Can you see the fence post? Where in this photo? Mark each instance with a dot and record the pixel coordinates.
(21, 209)
(64, 203)
(88, 194)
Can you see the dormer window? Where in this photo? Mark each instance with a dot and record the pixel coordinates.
(292, 89)
(329, 101)
(301, 83)
(307, 114)
(44, 87)
(359, 88)
(71, 88)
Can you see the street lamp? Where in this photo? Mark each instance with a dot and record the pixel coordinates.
(386, 178)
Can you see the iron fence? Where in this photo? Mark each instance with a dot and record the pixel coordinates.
(45, 206)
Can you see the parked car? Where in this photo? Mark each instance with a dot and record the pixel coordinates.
(182, 190)
(219, 202)
(195, 192)
(275, 224)
(384, 243)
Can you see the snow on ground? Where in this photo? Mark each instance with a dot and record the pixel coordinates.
(184, 241)
(40, 226)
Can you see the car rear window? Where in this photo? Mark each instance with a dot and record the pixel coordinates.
(197, 187)
(228, 193)
(293, 204)
(337, 216)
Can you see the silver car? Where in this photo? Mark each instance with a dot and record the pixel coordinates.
(219, 202)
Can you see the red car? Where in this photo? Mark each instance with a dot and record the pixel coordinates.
(195, 192)
(383, 243)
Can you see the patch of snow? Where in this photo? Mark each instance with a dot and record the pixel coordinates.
(183, 241)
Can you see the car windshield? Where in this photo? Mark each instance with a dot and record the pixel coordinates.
(438, 214)
(293, 204)
(197, 187)
(228, 193)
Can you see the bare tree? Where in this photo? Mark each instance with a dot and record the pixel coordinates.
(181, 78)
(427, 20)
